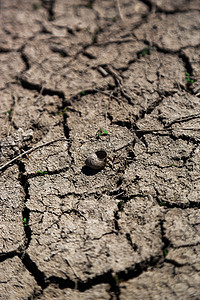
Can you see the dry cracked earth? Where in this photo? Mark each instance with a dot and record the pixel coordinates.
(69, 71)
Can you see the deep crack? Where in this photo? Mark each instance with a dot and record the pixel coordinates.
(26, 212)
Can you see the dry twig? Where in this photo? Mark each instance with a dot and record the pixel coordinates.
(107, 94)
(29, 151)
(119, 10)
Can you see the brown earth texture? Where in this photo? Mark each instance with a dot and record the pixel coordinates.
(122, 76)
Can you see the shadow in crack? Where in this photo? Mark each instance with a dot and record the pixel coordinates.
(88, 171)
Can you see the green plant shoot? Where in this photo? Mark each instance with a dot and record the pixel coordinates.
(101, 132)
(25, 222)
(121, 204)
(188, 78)
(165, 252)
(43, 172)
(162, 203)
(116, 277)
(8, 112)
(146, 51)
(61, 112)
(36, 6)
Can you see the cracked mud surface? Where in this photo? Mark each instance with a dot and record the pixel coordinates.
(131, 230)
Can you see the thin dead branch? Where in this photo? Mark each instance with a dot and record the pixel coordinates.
(29, 151)
(119, 10)
(144, 131)
(167, 129)
(183, 119)
(109, 95)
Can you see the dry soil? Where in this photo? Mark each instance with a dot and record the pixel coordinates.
(69, 71)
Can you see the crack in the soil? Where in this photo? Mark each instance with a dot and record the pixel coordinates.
(183, 137)
(188, 68)
(6, 50)
(138, 268)
(175, 263)
(157, 9)
(60, 51)
(49, 6)
(82, 286)
(113, 279)
(171, 205)
(7, 85)
(40, 89)
(152, 106)
(148, 4)
(26, 212)
(76, 212)
(24, 58)
(5, 256)
(173, 12)
(109, 277)
(129, 239)
(88, 55)
(43, 173)
(167, 132)
(116, 218)
(33, 269)
(183, 119)
(66, 131)
(66, 127)
(127, 124)
(121, 195)
(166, 242)
(187, 245)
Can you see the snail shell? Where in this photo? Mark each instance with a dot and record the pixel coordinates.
(97, 160)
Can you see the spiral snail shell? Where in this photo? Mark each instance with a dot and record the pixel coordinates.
(96, 160)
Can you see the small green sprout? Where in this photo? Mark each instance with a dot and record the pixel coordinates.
(121, 204)
(188, 78)
(8, 112)
(61, 112)
(94, 38)
(114, 19)
(172, 165)
(101, 132)
(165, 252)
(162, 203)
(36, 6)
(43, 172)
(116, 277)
(146, 51)
(83, 93)
(25, 222)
